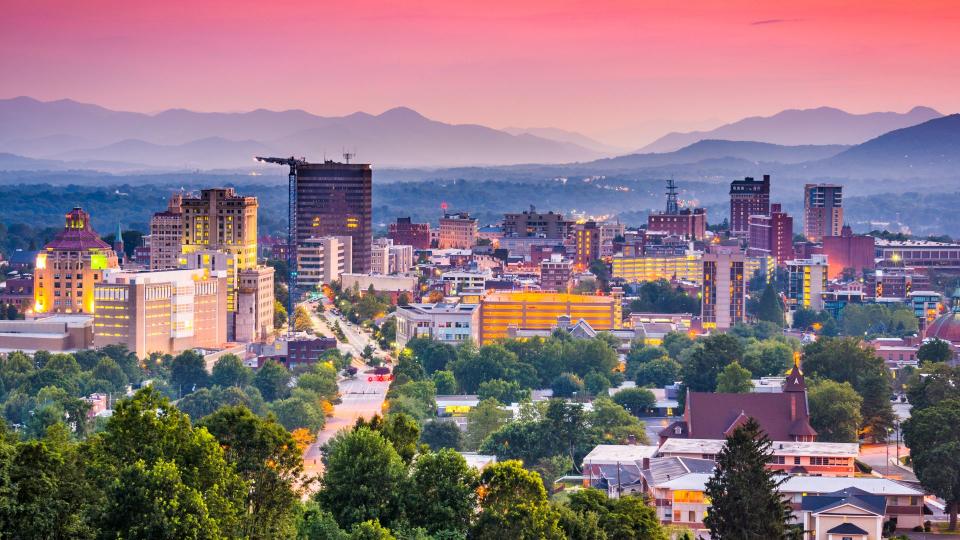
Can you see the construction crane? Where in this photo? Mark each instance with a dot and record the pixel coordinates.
(293, 163)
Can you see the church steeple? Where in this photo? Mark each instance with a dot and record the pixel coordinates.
(795, 381)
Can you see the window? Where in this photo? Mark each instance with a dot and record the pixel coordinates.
(796, 460)
(692, 515)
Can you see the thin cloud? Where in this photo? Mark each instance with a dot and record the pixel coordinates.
(774, 21)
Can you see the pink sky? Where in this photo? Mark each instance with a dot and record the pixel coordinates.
(623, 71)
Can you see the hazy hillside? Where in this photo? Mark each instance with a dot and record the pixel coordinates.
(823, 125)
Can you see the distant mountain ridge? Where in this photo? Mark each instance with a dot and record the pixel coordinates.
(67, 129)
(793, 127)
(753, 151)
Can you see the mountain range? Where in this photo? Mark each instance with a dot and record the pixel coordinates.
(67, 130)
(823, 125)
(65, 135)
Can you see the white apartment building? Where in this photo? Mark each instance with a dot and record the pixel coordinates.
(323, 259)
(450, 323)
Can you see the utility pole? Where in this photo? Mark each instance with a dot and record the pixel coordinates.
(293, 163)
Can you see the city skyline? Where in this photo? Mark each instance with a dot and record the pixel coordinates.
(633, 71)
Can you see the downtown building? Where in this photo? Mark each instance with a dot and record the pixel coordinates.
(849, 253)
(457, 231)
(723, 292)
(334, 199)
(67, 269)
(503, 312)
(164, 311)
(533, 224)
(166, 236)
(771, 235)
(406, 233)
(389, 258)
(748, 197)
(323, 260)
(822, 211)
(688, 223)
(807, 282)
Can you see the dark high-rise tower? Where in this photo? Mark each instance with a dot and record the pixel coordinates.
(822, 211)
(748, 197)
(334, 199)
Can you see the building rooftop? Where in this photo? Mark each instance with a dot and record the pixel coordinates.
(807, 484)
(614, 453)
(880, 242)
(442, 308)
(780, 448)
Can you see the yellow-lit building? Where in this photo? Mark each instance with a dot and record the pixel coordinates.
(221, 220)
(540, 310)
(807, 282)
(68, 268)
(640, 269)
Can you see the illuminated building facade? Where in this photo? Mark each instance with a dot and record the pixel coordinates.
(748, 197)
(533, 224)
(771, 235)
(457, 231)
(849, 252)
(822, 211)
(540, 311)
(322, 260)
(221, 220)
(165, 311)
(334, 199)
(587, 238)
(68, 268)
(255, 304)
(723, 293)
(688, 267)
(807, 282)
(166, 236)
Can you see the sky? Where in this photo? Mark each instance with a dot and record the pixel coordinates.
(621, 71)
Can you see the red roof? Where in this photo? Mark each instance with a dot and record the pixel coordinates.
(712, 415)
(946, 327)
(77, 235)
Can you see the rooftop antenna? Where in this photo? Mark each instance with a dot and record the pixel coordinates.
(347, 156)
(672, 206)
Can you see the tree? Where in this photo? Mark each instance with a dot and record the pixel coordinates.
(769, 308)
(492, 362)
(622, 518)
(635, 400)
(296, 412)
(445, 383)
(615, 424)
(935, 351)
(677, 342)
(188, 372)
(502, 391)
(744, 493)
(934, 444)
(767, 358)
(403, 432)
(279, 314)
(834, 410)
(704, 361)
(939, 382)
(149, 454)
(301, 319)
(272, 380)
(483, 420)
(315, 523)
(432, 354)
(595, 383)
(734, 379)
(439, 434)
(108, 370)
(363, 478)
(230, 371)
(267, 457)
(514, 505)
(658, 373)
(847, 360)
(567, 385)
(321, 380)
(442, 492)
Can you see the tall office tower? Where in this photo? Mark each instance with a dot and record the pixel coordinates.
(406, 233)
(771, 235)
(533, 224)
(67, 268)
(807, 283)
(723, 289)
(334, 199)
(748, 197)
(457, 231)
(822, 211)
(587, 237)
(166, 236)
(220, 220)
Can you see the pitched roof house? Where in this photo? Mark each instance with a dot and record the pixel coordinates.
(784, 416)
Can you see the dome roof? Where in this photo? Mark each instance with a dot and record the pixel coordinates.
(946, 327)
(77, 235)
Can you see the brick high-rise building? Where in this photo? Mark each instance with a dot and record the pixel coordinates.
(166, 236)
(334, 199)
(556, 274)
(406, 233)
(220, 220)
(724, 287)
(748, 197)
(67, 269)
(771, 235)
(688, 223)
(531, 223)
(587, 238)
(822, 211)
